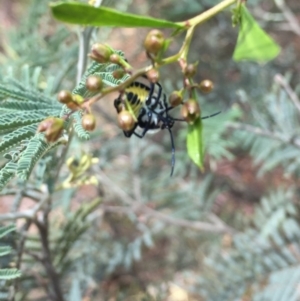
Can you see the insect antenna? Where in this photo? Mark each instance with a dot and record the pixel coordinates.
(205, 117)
(212, 115)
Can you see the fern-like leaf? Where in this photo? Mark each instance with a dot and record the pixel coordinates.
(79, 130)
(23, 94)
(6, 230)
(18, 119)
(7, 173)
(36, 149)
(12, 105)
(4, 250)
(14, 138)
(8, 274)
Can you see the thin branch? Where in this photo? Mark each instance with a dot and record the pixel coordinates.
(20, 252)
(138, 207)
(216, 228)
(289, 16)
(29, 214)
(279, 79)
(54, 291)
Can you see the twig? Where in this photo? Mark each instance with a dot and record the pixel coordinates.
(289, 16)
(20, 251)
(84, 39)
(138, 207)
(29, 214)
(279, 79)
(217, 228)
(55, 292)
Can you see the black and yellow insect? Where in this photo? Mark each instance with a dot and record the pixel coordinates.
(150, 108)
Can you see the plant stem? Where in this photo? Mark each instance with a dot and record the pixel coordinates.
(183, 52)
(208, 14)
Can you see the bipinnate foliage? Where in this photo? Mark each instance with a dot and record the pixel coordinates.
(272, 137)
(105, 72)
(64, 239)
(24, 106)
(6, 273)
(258, 259)
(261, 259)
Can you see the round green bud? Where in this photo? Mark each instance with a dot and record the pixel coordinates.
(53, 128)
(190, 111)
(175, 98)
(100, 53)
(189, 70)
(154, 41)
(64, 96)
(88, 122)
(206, 86)
(153, 75)
(126, 120)
(115, 59)
(94, 83)
(118, 74)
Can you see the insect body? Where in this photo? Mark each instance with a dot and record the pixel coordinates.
(150, 109)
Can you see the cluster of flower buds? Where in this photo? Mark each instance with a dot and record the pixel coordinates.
(52, 128)
(103, 54)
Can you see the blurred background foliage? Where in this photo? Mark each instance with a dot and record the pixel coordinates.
(230, 233)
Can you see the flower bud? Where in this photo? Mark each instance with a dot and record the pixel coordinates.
(189, 70)
(153, 75)
(88, 122)
(190, 110)
(94, 83)
(64, 96)
(206, 86)
(154, 41)
(100, 53)
(118, 74)
(52, 127)
(175, 98)
(75, 104)
(45, 124)
(126, 120)
(115, 59)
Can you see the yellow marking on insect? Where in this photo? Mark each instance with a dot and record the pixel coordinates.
(140, 91)
(131, 109)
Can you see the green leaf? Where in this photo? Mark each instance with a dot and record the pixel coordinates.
(83, 14)
(8, 274)
(195, 143)
(253, 42)
(6, 230)
(4, 250)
